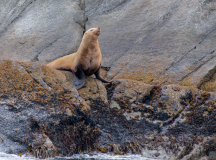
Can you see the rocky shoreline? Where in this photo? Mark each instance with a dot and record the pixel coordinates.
(43, 114)
(160, 55)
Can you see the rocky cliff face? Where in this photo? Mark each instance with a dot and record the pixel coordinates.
(33, 30)
(159, 53)
(153, 42)
(156, 42)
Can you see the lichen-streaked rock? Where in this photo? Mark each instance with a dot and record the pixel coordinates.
(159, 53)
(156, 42)
(44, 115)
(42, 112)
(165, 42)
(92, 89)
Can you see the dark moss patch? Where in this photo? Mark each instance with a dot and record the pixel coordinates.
(147, 99)
(116, 129)
(73, 135)
(199, 120)
(209, 146)
(155, 94)
(154, 114)
(34, 125)
(203, 98)
(186, 99)
(163, 116)
(182, 102)
(110, 88)
(203, 119)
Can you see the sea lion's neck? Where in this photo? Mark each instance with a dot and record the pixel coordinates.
(88, 46)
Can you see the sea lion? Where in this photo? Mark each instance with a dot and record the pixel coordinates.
(86, 61)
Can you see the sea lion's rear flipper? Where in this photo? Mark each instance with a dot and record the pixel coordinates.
(97, 74)
(79, 78)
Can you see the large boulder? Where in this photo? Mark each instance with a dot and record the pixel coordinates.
(156, 42)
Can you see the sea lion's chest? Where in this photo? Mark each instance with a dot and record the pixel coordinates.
(91, 61)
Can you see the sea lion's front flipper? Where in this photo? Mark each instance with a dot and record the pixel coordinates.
(79, 78)
(97, 74)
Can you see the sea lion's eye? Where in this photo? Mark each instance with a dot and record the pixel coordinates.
(92, 30)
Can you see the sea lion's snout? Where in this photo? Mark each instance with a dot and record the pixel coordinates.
(97, 32)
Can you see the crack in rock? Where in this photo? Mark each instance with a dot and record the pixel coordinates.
(184, 55)
(16, 18)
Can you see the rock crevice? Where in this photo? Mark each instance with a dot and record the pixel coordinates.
(17, 12)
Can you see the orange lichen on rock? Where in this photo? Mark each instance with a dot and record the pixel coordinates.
(102, 150)
(36, 83)
(43, 92)
(209, 85)
(137, 75)
(141, 71)
(186, 83)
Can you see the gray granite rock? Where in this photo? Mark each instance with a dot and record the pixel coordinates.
(160, 42)
(39, 30)
(156, 42)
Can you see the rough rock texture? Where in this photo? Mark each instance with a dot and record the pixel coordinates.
(92, 89)
(163, 122)
(159, 53)
(156, 42)
(33, 30)
(41, 112)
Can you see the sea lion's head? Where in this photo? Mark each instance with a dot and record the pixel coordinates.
(92, 33)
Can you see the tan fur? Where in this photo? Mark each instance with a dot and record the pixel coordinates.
(88, 57)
